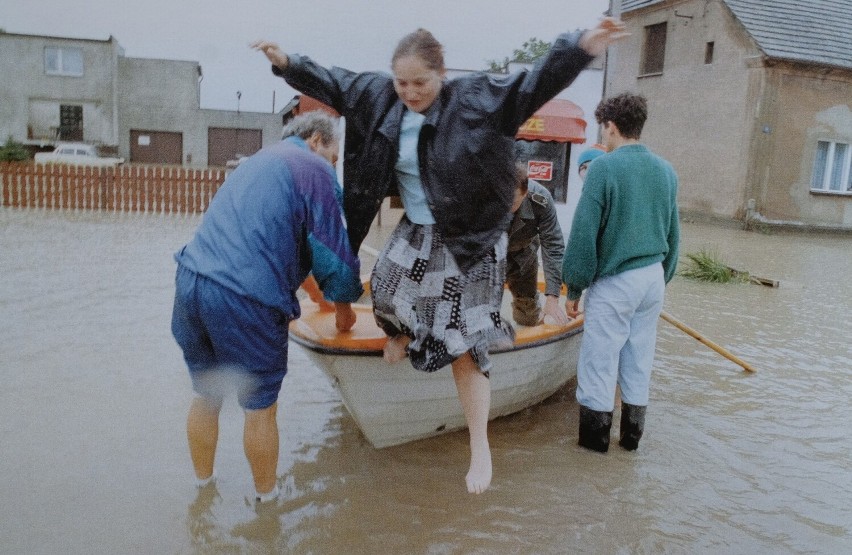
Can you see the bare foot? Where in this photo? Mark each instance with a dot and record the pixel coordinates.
(395, 348)
(479, 475)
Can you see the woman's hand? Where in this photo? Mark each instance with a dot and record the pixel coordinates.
(595, 41)
(273, 52)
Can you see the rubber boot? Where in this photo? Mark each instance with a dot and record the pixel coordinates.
(594, 429)
(632, 425)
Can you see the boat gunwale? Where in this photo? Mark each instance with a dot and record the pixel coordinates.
(329, 350)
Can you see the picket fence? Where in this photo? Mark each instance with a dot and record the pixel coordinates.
(127, 188)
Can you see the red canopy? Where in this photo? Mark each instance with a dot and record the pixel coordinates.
(559, 120)
(309, 104)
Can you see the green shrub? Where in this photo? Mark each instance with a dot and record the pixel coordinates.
(705, 265)
(13, 151)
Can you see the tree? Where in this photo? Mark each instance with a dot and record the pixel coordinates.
(529, 52)
(13, 151)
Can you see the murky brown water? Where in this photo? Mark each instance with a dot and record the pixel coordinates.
(93, 397)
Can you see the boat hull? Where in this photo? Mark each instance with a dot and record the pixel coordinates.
(394, 403)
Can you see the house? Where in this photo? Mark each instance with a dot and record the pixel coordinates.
(143, 110)
(749, 99)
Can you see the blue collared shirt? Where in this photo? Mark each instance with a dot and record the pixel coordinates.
(408, 171)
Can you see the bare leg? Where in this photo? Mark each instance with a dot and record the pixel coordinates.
(475, 395)
(395, 348)
(260, 441)
(202, 431)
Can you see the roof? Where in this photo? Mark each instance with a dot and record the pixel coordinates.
(630, 5)
(816, 31)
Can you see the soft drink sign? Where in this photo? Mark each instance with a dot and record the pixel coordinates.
(540, 170)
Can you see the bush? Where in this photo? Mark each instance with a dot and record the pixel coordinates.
(705, 265)
(13, 151)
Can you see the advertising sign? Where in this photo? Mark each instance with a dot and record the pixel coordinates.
(540, 170)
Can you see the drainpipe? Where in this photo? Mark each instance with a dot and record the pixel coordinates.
(749, 215)
(613, 11)
(115, 127)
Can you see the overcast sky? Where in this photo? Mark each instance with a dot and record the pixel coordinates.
(355, 34)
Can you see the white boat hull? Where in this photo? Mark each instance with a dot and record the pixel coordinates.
(394, 404)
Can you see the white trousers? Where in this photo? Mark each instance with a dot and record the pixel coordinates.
(619, 337)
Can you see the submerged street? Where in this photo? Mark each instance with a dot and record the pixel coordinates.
(94, 397)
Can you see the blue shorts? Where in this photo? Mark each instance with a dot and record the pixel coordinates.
(230, 343)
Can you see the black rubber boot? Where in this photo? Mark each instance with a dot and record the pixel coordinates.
(594, 429)
(632, 425)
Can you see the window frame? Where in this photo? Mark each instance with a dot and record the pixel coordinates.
(657, 69)
(64, 61)
(709, 52)
(828, 169)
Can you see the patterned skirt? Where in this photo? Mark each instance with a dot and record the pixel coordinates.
(418, 290)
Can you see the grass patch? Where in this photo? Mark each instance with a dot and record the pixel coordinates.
(705, 265)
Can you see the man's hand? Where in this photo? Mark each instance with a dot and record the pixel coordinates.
(273, 52)
(595, 41)
(551, 308)
(344, 317)
(311, 287)
(572, 308)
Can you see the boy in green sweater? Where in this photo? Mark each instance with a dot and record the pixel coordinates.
(623, 249)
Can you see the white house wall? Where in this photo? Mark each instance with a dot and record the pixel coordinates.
(28, 91)
(163, 95)
(117, 94)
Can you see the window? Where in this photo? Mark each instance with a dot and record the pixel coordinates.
(63, 61)
(708, 53)
(655, 49)
(70, 122)
(831, 168)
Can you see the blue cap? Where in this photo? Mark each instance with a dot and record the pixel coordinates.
(588, 155)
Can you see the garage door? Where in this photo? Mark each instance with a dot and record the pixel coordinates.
(225, 144)
(156, 147)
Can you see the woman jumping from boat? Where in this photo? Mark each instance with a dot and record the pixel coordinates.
(446, 147)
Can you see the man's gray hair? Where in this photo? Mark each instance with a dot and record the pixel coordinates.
(316, 121)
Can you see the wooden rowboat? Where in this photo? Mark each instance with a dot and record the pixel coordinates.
(394, 403)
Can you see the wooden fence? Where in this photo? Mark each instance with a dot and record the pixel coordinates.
(133, 188)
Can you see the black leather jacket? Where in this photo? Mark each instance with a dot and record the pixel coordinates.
(465, 146)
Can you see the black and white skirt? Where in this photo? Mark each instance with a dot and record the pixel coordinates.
(418, 290)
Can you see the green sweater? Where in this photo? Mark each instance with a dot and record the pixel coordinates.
(627, 218)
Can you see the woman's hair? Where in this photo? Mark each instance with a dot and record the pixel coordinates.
(627, 111)
(421, 43)
(316, 121)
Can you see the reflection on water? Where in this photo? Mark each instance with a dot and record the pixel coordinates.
(94, 400)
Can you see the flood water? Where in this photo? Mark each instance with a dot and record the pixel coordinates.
(94, 394)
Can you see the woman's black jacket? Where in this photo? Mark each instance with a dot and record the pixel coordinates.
(465, 148)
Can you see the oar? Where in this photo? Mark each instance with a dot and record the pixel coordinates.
(721, 350)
